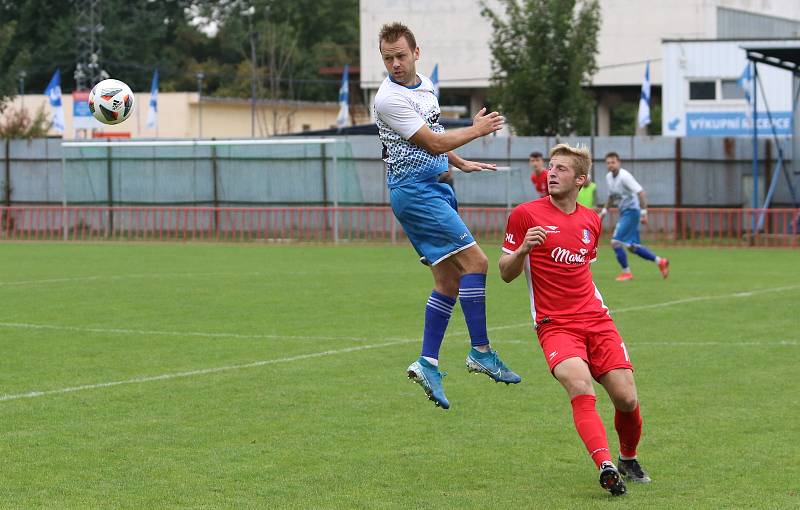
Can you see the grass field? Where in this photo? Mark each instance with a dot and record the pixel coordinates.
(252, 376)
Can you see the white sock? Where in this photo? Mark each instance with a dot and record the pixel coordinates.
(658, 259)
(432, 361)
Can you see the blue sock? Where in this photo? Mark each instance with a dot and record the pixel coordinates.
(472, 294)
(622, 257)
(437, 315)
(644, 252)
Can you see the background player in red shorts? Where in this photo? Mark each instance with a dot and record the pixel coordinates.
(553, 240)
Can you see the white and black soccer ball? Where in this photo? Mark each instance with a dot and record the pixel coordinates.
(111, 101)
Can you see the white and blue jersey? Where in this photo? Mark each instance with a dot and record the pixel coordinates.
(399, 113)
(426, 208)
(624, 189)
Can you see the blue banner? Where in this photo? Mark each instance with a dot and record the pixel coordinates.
(736, 124)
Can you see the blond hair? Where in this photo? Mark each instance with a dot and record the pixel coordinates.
(581, 157)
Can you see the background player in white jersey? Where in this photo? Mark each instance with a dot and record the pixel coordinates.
(554, 239)
(416, 150)
(632, 203)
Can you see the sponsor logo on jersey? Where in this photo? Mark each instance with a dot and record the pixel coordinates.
(552, 229)
(510, 238)
(586, 237)
(565, 256)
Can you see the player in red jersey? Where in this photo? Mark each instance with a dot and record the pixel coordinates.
(538, 173)
(553, 240)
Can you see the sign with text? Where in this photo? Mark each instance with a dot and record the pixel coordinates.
(737, 123)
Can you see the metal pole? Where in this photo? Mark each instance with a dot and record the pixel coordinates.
(200, 76)
(64, 222)
(755, 146)
(335, 198)
(215, 176)
(252, 80)
(22, 75)
(110, 192)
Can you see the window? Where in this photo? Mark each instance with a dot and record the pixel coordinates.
(732, 90)
(702, 90)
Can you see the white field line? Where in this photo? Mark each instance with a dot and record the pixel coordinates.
(663, 304)
(779, 343)
(121, 277)
(204, 371)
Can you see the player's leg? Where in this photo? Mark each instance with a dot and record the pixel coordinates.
(438, 309)
(620, 385)
(624, 234)
(473, 265)
(622, 259)
(574, 375)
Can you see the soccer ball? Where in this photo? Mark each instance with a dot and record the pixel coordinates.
(111, 101)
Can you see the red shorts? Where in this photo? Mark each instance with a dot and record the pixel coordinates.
(596, 341)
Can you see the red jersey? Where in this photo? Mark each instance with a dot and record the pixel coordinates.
(559, 278)
(540, 182)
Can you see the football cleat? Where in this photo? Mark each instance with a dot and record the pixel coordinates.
(428, 376)
(624, 276)
(663, 266)
(632, 470)
(611, 480)
(489, 363)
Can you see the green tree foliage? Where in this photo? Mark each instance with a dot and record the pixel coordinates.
(20, 124)
(543, 54)
(138, 36)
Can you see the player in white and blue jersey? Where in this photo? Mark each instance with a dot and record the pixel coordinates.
(632, 203)
(416, 150)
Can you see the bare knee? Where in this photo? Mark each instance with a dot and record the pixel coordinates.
(473, 260)
(627, 402)
(578, 387)
(616, 244)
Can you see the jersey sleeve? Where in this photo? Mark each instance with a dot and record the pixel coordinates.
(630, 182)
(517, 225)
(396, 111)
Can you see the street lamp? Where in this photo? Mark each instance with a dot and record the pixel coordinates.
(22, 75)
(200, 75)
(249, 13)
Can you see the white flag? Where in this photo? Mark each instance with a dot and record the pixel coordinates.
(343, 119)
(53, 93)
(152, 110)
(644, 99)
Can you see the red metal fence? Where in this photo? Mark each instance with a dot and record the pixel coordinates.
(693, 227)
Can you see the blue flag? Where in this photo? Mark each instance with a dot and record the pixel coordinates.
(745, 81)
(53, 93)
(435, 79)
(644, 99)
(343, 119)
(152, 110)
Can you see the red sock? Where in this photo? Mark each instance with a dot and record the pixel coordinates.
(590, 428)
(629, 428)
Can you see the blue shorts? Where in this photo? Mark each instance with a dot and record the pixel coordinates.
(428, 212)
(627, 229)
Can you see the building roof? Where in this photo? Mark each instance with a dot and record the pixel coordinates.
(787, 57)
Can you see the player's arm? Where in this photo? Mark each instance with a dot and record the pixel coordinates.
(440, 143)
(511, 264)
(604, 210)
(466, 165)
(643, 206)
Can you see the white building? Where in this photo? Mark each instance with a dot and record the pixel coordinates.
(453, 34)
(704, 89)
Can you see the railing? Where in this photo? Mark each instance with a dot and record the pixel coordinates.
(677, 227)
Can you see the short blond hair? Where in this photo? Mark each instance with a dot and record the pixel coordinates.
(581, 157)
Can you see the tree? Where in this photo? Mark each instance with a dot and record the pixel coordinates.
(543, 56)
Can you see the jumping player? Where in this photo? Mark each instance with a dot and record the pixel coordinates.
(416, 150)
(623, 186)
(553, 240)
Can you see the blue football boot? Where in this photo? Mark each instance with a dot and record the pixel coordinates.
(428, 376)
(489, 363)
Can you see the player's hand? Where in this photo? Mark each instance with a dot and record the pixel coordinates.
(476, 166)
(487, 123)
(643, 216)
(534, 237)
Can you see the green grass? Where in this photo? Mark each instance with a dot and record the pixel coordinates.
(717, 376)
